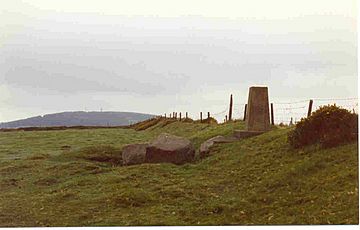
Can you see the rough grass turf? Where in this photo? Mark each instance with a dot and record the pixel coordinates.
(73, 178)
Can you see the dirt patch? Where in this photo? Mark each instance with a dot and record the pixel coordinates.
(65, 147)
(38, 157)
(46, 181)
(14, 168)
(104, 154)
(10, 182)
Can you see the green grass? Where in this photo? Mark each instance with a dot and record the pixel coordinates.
(65, 178)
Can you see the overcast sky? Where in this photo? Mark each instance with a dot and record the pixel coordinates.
(163, 56)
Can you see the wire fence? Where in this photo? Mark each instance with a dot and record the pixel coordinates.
(285, 112)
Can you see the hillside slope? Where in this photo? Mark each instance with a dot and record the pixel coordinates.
(79, 119)
(60, 179)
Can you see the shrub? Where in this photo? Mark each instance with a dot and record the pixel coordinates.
(209, 120)
(188, 120)
(328, 126)
(282, 124)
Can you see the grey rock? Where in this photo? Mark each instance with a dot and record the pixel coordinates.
(171, 149)
(205, 147)
(134, 154)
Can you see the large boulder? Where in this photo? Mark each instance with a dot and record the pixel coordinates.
(170, 148)
(134, 154)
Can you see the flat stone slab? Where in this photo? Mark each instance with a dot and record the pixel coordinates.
(205, 146)
(226, 140)
(241, 134)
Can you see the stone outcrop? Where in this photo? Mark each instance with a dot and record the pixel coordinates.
(171, 149)
(206, 146)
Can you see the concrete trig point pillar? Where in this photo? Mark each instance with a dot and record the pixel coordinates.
(257, 115)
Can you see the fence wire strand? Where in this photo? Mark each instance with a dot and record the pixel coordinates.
(287, 111)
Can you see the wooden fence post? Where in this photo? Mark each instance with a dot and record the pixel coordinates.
(200, 116)
(272, 113)
(310, 108)
(180, 116)
(226, 118)
(165, 115)
(245, 112)
(186, 115)
(230, 107)
(208, 115)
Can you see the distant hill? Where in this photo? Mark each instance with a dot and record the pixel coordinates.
(79, 119)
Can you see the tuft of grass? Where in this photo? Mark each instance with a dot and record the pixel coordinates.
(167, 122)
(188, 120)
(146, 124)
(209, 120)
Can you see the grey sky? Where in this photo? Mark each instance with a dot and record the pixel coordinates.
(161, 57)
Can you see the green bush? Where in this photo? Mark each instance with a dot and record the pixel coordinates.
(328, 126)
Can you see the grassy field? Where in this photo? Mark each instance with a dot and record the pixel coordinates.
(75, 178)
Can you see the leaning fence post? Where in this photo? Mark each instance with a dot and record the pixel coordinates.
(272, 113)
(230, 107)
(245, 112)
(310, 108)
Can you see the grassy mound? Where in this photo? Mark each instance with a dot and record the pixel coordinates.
(260, 180)
(188, 120)
(146, 124)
